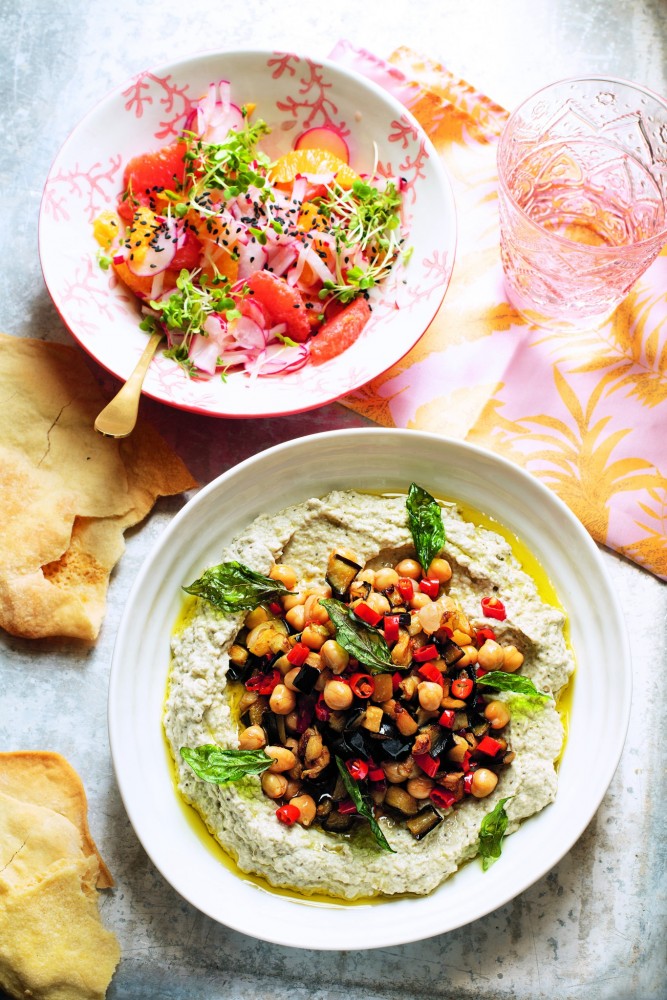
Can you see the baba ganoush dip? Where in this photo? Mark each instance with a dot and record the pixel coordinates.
(390, 718)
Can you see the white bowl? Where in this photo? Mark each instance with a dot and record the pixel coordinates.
(292, 94)
(375, 460)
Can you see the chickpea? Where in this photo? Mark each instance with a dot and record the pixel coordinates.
(296, 617)
(378, 602)
(334, 656)
(292, 721)
(459, 750)
(386, 578)
(483, 782)
(440, 570)
(490, 656)
(420, 601)
(397, 772)
(307, 808)
(469, 657)
(290, 677)
(282, 664)
(290, 601)
(284, 574)
(512, 659)
(314, 636)
(238, 655)
(497, 713)
(461, 638)
(315, 612)
(410, 568)
(273, 785)
(252, 738)
(256, 617)
(338, 695)
(282, 700)
(430, 695)
(283, 759)
(420, 788)
(430, 617)
(293, 788)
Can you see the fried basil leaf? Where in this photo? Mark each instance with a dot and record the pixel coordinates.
(425, 520)
(364, 808)
(501, 681)
(358, 639)
(491, 833)
(212, 763)
(231, 586)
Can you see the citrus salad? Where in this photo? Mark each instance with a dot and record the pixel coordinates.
(246, 263)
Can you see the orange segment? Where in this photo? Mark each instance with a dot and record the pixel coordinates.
(311, 161)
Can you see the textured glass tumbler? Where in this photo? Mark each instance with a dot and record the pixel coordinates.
(582, 168)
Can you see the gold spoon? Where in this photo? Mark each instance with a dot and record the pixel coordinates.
(119, 417)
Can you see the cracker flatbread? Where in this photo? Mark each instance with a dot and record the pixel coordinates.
(66, 494)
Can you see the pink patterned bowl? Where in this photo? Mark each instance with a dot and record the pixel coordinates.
(292, 94)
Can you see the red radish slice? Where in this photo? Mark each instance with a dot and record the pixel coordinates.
(203, 353)
(216, 115)
(326, 138)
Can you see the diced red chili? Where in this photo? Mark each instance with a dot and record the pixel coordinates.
(375, 773)
(391, 626)
(406, 588)
(288, 814)
(493, 608)
(482, 634)
(425, 653)
(346, 807)
(275, 608)
(430, 672)
(461, 687)
(367, 614)
(429, 765)
(362, 685)
(298, 654)
(465, 762)
(305, 713)
(358, 768)
(480, 671)
(489, 746)
(467, 782)
(430, 586)
(322, 710)
(396, 681)
(447, 718)
(441, 797)
(263, 683)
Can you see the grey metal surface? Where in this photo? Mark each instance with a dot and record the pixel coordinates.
(594, 927)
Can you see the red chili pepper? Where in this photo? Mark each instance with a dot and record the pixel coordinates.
(467, 782)
(367, 614)
(429, 765)
(276, 609)
(441, 797)
(489, 746)
(465, 762)
(263, 683)
(391, 625)
(305, 713)
(375, 773)
(346, 807)
(447, 718)
(358, 768)
(362, 685)
(461, 687)
(396, 681)
(430, 586)
(482, 634)
(322, 710)
(298, 654)
(430, 672)
(480, 671)
(425, 653)
(406, 588)
(493, 608)
(288, 814)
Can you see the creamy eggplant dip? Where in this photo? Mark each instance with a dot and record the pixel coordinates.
(363, 695)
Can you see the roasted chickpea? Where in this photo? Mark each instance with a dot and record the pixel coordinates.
(398, 771)
(290, 601)
(282, 664)
(314, 636)
(386, 578)
(307, 808)
(497, 713)
(469, 657)
(282, 700)
(378, 602)
(334, 656)
(512, 660)
(293, 788)
(283, 759)
(290, 676)
(252, 738)
(410, 568)
(419, 600)
(483, 782)
(430, 617)
(296, 617)
(273, 785)
(338, 695)
(256, 617)
(440, 570)
(430, 695)
(420, 788)
(284, 574)
(238, 655)
(315, 612)
(490, 656)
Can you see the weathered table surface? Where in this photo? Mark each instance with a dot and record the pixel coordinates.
(594, 927)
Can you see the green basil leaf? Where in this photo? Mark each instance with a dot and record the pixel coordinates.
(513, 683)
(425, 520)
(363, 807)
(359, 640)
(212, 763)
(231, 586)
(491, 833)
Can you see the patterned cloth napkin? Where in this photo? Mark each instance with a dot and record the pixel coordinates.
(587, 412)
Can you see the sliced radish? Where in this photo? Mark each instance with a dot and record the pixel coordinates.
(324, 137)
(252, 257)
(216, 114)
(203, 352)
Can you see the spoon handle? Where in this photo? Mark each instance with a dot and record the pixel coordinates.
(119, 417)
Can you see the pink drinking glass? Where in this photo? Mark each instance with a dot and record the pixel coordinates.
(582, 167)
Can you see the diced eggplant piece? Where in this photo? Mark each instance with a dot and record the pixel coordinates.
(372, 719)
(306, 679)
(324, 807)
(451, 652)
(481, 729)
(397, 798)
(354, 719)
(342, 568)
(508, 757)
(395, 748)
(270, 723)
(453, 782)
(337, 822)
(336, 722)
(257, 710)
(425, 821)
